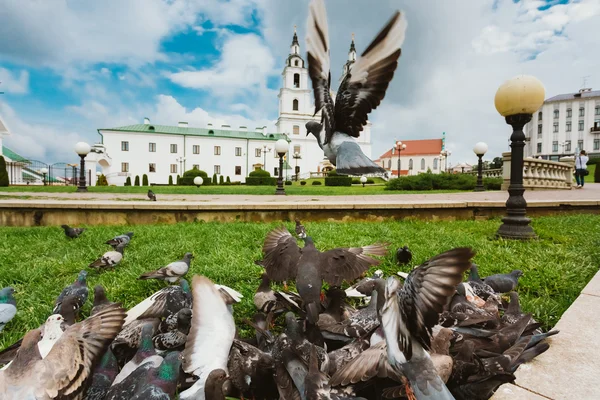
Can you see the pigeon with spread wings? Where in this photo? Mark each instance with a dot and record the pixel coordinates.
(284, 260)
(360, 92)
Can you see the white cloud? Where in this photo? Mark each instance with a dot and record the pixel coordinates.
(14, 83)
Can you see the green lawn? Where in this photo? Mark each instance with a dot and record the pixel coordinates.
(39, 262)
(590, 177)
(294, 189)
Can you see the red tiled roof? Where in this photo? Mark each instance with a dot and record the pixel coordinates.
(417, 148)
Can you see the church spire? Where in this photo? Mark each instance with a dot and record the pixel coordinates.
(352, 51)
(295, 38)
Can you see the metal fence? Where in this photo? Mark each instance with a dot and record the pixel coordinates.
(35, 172)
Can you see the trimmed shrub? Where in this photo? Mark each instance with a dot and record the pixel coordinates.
(214, 179)
(221, 180)
(356, 181)
(188, 177)
(4, 181)
(137, 180)
(259, 173)
(370, 181)
(228, 181)
(145, 180)
(101, 181)
(170, 180)
(492, 183)
(337, 180)
(288, 183)
(433, 182)
(261, 181)
(128, 181)
(302, 183)
(316, 183)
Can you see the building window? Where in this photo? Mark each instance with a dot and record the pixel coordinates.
(580, 144)
(596, 143)
(295, 105)
(296, 79)
(217, 150)
(217, 169)
(539, 147)
(275, 171)
(422, 164)
(597, 110)
(568, 126)
(238, 170)
(390, 164)
(151, 167)
(569, 113)
(581, 111)
(435, 162)
(539, 129)
(555, 114)
(257, 152)
(173, 168)
(554, 147)
(580, 125)
(555, 127)
(567, 146)
(124, 167)
(296, 130)
(124, 146)
(152, 147)
(173, 148)
(238, 151)
(196, 166)
(297, 150)
(196, 149)
(410, 164)
(295, 63)
(539, 116)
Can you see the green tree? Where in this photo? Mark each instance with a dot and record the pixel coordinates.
(101, 181)
(496, 163)
(170, 180)
(145, 180)
(221, 180)
(3, 173)
(214, 179)
(228, 180)
(128, 181)
(137, 180)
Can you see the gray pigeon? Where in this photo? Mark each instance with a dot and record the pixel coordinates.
(100, 300)
(125, 239)
(78, 289)
(177, 337)
(72, 232)
(300, 229)
(360, 92)
(151, 195)
(8, 306)
(172, 272)
(504, 283)
(103, 377)
(110, 259)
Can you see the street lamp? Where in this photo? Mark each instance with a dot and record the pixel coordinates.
(198, 181)
(82, 149)
(297, 156)
(480, 149)
(363, 180)
(181, 160)
(444, 154)
(399, 146)
(44, 171)
(281, 147)
(516, 100)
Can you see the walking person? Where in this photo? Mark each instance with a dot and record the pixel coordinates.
(581, 168)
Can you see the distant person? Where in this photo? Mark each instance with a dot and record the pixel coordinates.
(581, 168)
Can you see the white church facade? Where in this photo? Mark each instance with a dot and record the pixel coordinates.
(160, 151)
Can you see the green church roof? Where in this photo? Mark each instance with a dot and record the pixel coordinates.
(12, 155)
(178, 130)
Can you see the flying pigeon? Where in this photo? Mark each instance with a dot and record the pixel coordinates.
(300, 229)
(165, 302)
(151, 195)
(172, 272)
(72, 232)
(504, 283)
(67, 366)
(125, 239)
(110, 259)
(403, 256)
(360, 92)
(8, 306)
(285, 260)
(78, 289)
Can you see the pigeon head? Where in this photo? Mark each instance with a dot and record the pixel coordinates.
(65, 227)
(99, 294)
(188, 256)
(6, 296)
(315, 128)
(82, 276)
(218, 376)
(55, 319)
(184, 316)
(130, 234)
(378, 274)
(517, 273)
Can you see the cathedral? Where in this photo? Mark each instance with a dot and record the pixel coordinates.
(296, 108)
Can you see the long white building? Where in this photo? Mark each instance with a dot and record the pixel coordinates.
(565, 123)
(160, 151)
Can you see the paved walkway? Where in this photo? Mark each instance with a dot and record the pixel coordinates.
(571, 367)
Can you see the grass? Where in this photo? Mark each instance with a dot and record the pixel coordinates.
(39, 262)
(294, 189)
(590, 177)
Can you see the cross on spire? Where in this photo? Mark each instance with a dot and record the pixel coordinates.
(295, 39)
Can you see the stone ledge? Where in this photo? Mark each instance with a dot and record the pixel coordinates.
(509, 391)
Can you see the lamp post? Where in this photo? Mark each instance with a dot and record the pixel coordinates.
(516, 100)
(363, 180)
(181, 160)
(44, 171)
(198, 181)
(297, 156)
(445, 154)
(281, 147)
(480, 149)
(265, 151)
(82, 149)
(399, 146)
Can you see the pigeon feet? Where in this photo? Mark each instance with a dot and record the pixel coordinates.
(409, 392)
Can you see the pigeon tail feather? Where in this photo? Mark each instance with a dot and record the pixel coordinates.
(350, 160)
(312, 311)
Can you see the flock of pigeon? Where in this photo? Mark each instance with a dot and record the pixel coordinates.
(431, 337)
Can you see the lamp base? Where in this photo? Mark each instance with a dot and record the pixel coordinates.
(516, 227)
(81, 189)
(479, 189)
(280, 191)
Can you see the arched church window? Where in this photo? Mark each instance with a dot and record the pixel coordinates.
(295, 63)
(389, 164)
(296, 78)
(422, 164)
(295, 105)
(410, 164)
(435, 161)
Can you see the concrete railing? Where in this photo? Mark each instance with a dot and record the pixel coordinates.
(488, 173)
(541, 174)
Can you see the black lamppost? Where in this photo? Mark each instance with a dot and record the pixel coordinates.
(480, 149)
(44, 171)
(400, 146)
(281, 147)
(516, 100)
(82, 149)
(297, 156)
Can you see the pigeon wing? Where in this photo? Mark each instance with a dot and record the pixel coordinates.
(367, 365)
(365, 85)
(281, 255)
(319, 63)
(348, 264)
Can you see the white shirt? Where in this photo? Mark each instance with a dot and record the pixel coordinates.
(581, 162)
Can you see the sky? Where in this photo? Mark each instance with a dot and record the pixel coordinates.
(68, 68)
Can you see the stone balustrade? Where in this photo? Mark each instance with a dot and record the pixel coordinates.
(488, 173)
(541, 174)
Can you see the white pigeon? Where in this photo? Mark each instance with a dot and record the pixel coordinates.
(53, 330)
(172, 272)
(110, 259)
(210, 338)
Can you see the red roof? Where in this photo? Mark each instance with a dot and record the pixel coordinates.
(417, 148)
